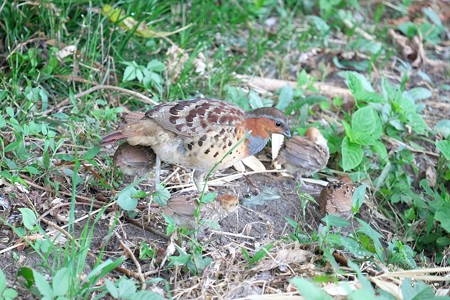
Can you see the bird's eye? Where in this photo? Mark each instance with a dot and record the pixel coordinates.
(278, 124)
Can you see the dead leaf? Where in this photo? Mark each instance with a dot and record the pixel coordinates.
(284, 257)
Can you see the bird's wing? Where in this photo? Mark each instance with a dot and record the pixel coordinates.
(302, 153)
(197, 116)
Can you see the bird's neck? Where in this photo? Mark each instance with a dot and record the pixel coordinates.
(255, 143)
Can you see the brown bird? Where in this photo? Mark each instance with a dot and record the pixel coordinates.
(336, 198)
(304, 156)
(134, 160)
(198, 133)
(182, 209)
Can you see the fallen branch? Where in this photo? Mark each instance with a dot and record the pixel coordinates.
(272, 85)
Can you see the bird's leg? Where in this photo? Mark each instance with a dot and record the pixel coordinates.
(199, 181)
(157, 170)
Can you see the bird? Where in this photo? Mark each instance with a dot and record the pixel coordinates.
(337, 198)
(182, 209)
(304, 156)
(198, 133)
(134, 160)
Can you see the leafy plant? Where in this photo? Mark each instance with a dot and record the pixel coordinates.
(149, 76)
(126, 289)
(5, 292)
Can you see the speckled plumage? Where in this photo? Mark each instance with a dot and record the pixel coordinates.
(336, 198)
(306, 155)
(198, 133)
(134, 160)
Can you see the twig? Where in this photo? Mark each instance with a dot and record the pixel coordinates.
(133, 258)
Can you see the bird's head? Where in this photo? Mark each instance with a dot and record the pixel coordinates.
(267, 120)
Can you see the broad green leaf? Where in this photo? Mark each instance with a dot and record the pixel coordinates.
(418, 93)
(161, 195)
(361, 88)
(27, 274)
(352, 154)
(91, 153)
(443, 128)
(2, 122)
(10, 112)
(112, 289)
(125, 198)
(127, 288)
(379, 148)
(309, 290)
(156, 66)
(359, 196)
(60, 282)
(42, 285)
(28, 218)
(366, 126)
(286, 96)
(444, 147)
(442, 216)
(2, 281)
(409, 29)
(335, 221)
(365, 228)
(357, 81)
(209, 197)
(347, 129)
(417, 122)
(129, 74)
(10, 294)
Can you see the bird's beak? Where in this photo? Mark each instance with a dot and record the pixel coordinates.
(287, 133)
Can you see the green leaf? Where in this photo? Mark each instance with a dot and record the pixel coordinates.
(111, 288)
(129, 74)
(309, 290)
(352, 154)
(10, 294)
(359, 196)
(408, 28)
(2, 282)
(10, 112)
(125, 198)
(366, 126)
(2, 122)
(32, 170)
(27, 274)
(28, 218)
(60, 282)
(42, 285)
(156, 66)
(335, 221)
(260, 254)
(347, 129)
(361, 88)
(209, 197)
(286, 96)
(417, 122)
(444, 147)
(418, 93)
(379, 148)
(91, 153)
(161, 195)
(443, 128)
(442, 216)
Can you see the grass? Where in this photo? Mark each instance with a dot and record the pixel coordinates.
(51, 131)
